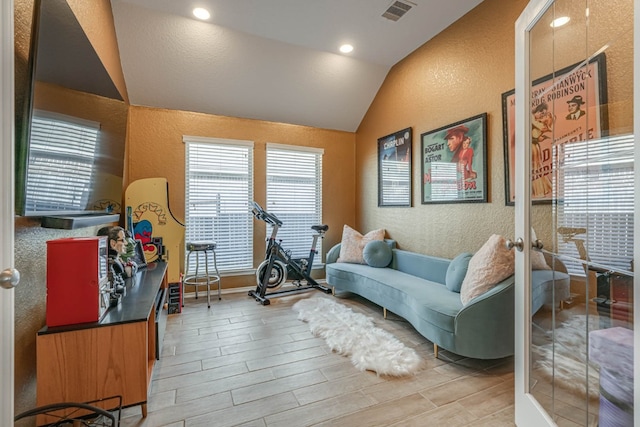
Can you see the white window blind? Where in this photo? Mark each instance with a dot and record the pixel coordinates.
(62, 152)
(595, 201)
(219, 186)
(294, 195)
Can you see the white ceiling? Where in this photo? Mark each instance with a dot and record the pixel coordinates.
(274, 60)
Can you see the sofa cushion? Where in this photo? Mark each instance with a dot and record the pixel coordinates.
(423, 266)
(353, 244)
(491, 264)
(456, 271)
(377, 253)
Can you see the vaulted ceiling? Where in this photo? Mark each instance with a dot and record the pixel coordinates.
(274, 60)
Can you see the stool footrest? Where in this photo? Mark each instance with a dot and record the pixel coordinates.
(200, 280)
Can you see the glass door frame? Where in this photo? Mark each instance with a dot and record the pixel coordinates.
(528, 411)
(636, 210)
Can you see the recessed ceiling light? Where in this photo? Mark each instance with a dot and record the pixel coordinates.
(346, 48)
(559, 22)
(201, 13)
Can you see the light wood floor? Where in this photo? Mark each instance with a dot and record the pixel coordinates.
(241, 363)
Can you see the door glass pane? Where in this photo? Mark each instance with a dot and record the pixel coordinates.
(582, 173)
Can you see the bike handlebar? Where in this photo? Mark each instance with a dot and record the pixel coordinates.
(265, 216)
(269, 218)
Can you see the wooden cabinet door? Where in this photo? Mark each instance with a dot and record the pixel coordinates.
(91, 364)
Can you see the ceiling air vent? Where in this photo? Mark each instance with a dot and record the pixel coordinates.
(397, 10)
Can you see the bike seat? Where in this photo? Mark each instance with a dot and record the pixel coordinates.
(322, 227)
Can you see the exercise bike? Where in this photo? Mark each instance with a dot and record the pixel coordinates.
(278, 264)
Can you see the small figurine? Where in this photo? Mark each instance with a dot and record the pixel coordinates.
(129, 255)
(119, 247)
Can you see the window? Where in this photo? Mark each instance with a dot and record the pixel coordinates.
(61, 162)
(294, 195)
(219, 186)
(595, 202)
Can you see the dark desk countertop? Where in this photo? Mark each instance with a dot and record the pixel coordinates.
(136, 304)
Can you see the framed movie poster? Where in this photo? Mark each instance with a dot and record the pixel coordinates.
(394, 169)
(561, 102)
(454, 162)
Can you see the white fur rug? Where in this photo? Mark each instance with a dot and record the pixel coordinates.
(570, 368)
(355, 335)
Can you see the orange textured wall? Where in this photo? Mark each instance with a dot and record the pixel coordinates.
(460, 73)
(155, 149)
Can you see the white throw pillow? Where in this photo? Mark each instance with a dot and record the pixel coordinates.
(537, 258)
(490, 265)
(353, 243)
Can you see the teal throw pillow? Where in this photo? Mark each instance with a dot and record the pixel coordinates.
(377, 253)
(456, 271)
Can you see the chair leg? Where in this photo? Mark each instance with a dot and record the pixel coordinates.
(215, 265)
(197, 271)
(184, 277)
(206, 272)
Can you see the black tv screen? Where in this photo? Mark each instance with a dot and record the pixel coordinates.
(70, 138)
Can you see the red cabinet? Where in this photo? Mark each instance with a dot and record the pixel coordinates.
(76, 280)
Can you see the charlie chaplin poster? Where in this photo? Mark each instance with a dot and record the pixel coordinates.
(394, 169)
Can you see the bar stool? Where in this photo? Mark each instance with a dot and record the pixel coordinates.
(197, 278)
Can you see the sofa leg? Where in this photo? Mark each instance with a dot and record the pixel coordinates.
(435, 350)
(333, 291)
(384, 312)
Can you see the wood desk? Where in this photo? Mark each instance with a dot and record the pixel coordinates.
(92, 361)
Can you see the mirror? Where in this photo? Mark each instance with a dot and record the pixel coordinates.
(70, 141)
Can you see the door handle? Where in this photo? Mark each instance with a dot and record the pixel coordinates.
(519, 244)
(537, 244)
(9, 278)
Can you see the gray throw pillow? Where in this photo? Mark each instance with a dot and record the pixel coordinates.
(377, 253)
(456, 271)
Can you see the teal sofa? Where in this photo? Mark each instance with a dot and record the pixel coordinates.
(413, 287)
(549, 288)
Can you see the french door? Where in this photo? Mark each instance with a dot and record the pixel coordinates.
(576, 189)
(6, 214)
